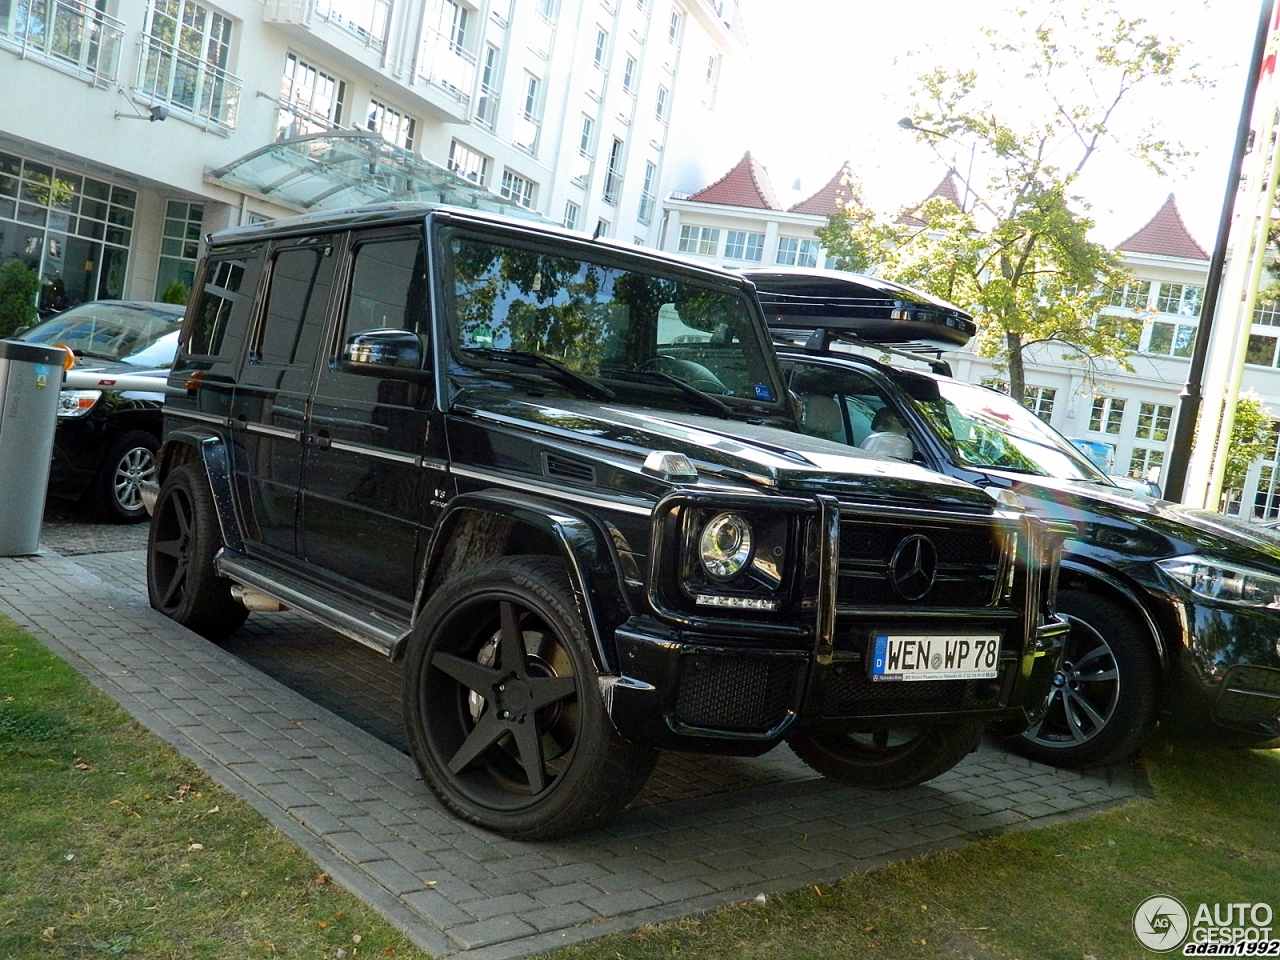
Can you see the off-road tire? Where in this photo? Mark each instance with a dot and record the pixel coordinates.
(860, 760)
(182, 582)
(468, 697)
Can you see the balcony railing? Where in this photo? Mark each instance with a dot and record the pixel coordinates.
(487, 106)
(612, 185)
(525, 134)
(580, 166)
(446, 64)
(66, 34)
(645, 213)
(596, 77)
(367, 19)
(195, 89)
(541, 34)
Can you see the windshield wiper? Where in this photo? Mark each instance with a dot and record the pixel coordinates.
(708, 401)
(576, 382)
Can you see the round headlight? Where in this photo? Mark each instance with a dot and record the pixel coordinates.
(725, 545)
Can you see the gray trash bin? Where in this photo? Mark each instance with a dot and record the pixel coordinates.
(30, 380)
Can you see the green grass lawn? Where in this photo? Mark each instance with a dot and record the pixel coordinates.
(113, 844)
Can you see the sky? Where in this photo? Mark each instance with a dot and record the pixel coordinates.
(829, 82)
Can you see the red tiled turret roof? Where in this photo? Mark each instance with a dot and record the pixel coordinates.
(833, 198)
(946, 189)
(746, 185)
(1165, 235)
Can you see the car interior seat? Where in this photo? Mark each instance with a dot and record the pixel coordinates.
(821, 417)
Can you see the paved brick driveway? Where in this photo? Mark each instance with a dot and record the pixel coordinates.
(305, 725)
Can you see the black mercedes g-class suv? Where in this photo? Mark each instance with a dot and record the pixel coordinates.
(561, 479)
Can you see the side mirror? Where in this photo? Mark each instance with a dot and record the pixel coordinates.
(890, 445)
(390, 352)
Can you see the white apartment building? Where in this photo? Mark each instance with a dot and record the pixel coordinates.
(576, 109)
(738, 222)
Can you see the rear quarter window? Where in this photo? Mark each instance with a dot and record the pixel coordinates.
(223, 305)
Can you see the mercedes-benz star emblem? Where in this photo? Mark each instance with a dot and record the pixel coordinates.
(913, 567)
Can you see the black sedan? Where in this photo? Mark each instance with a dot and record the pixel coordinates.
(105, 444)
(1175, 612)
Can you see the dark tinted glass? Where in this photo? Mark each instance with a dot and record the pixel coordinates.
(292, 278)
(388, 287)
(217, 300)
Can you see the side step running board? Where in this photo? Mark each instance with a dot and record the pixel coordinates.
(375, 630)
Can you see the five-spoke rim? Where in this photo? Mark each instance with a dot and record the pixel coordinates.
(1085, 691)
(136, 467)
(171, 548)
(500, 703)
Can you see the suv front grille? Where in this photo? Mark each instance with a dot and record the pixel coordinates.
(849, 692)
(970, 565)
(734, 693)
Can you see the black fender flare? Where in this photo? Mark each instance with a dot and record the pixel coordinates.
(209, 448)
(583, 544)
(1074, 571)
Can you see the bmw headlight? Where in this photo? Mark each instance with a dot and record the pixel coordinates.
(1224, 583)
(725, 545)
(76, 403)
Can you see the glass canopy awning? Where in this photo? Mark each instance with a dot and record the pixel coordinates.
(338, 169)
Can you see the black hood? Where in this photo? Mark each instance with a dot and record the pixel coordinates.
(732, 452)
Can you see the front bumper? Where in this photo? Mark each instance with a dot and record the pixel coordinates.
(685, 692)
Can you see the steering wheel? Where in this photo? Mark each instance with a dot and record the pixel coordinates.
(694, 374)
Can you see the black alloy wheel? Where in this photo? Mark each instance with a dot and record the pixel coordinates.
(182, 582)
(503, 707)
(130, 462)
(1103, 699)
(889, 757)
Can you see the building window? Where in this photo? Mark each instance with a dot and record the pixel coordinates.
(393, 125)
(1267, 313)
(602, 228)
(571, 214)
(546, 7)
(701, 240)
(660, 111)
(1153, 421)
(487, 102)
(602, 47)
(1106, 415)
(613, 175)
(584, 141)
(1261, 350)
(1134, 295)
(531, 88)
(180, 245)
(310, 100)
(740, 245)
(467, 163)
(1171, 339)
(365, 18)
(794, 252)
(674, 25)
(1039, 400)
(75, 231)
(1145, 463)
(713, 67)
(629, 75)
(517, 188)
(184, 61)
(638, 241)
(1180, 300)
(647, 198)
(458, 17)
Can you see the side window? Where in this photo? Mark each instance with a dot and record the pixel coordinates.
(389, 287)
(219, 299)
(843, 405)
(292, 296)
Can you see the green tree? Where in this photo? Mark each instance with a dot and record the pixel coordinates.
(1019, 255)
(176, 292)
(19, 286)
(1251, 438)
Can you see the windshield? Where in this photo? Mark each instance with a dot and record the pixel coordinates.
(984, 428)
(630, 330)
(109, 331)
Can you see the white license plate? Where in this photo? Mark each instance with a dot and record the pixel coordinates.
(914, 657)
